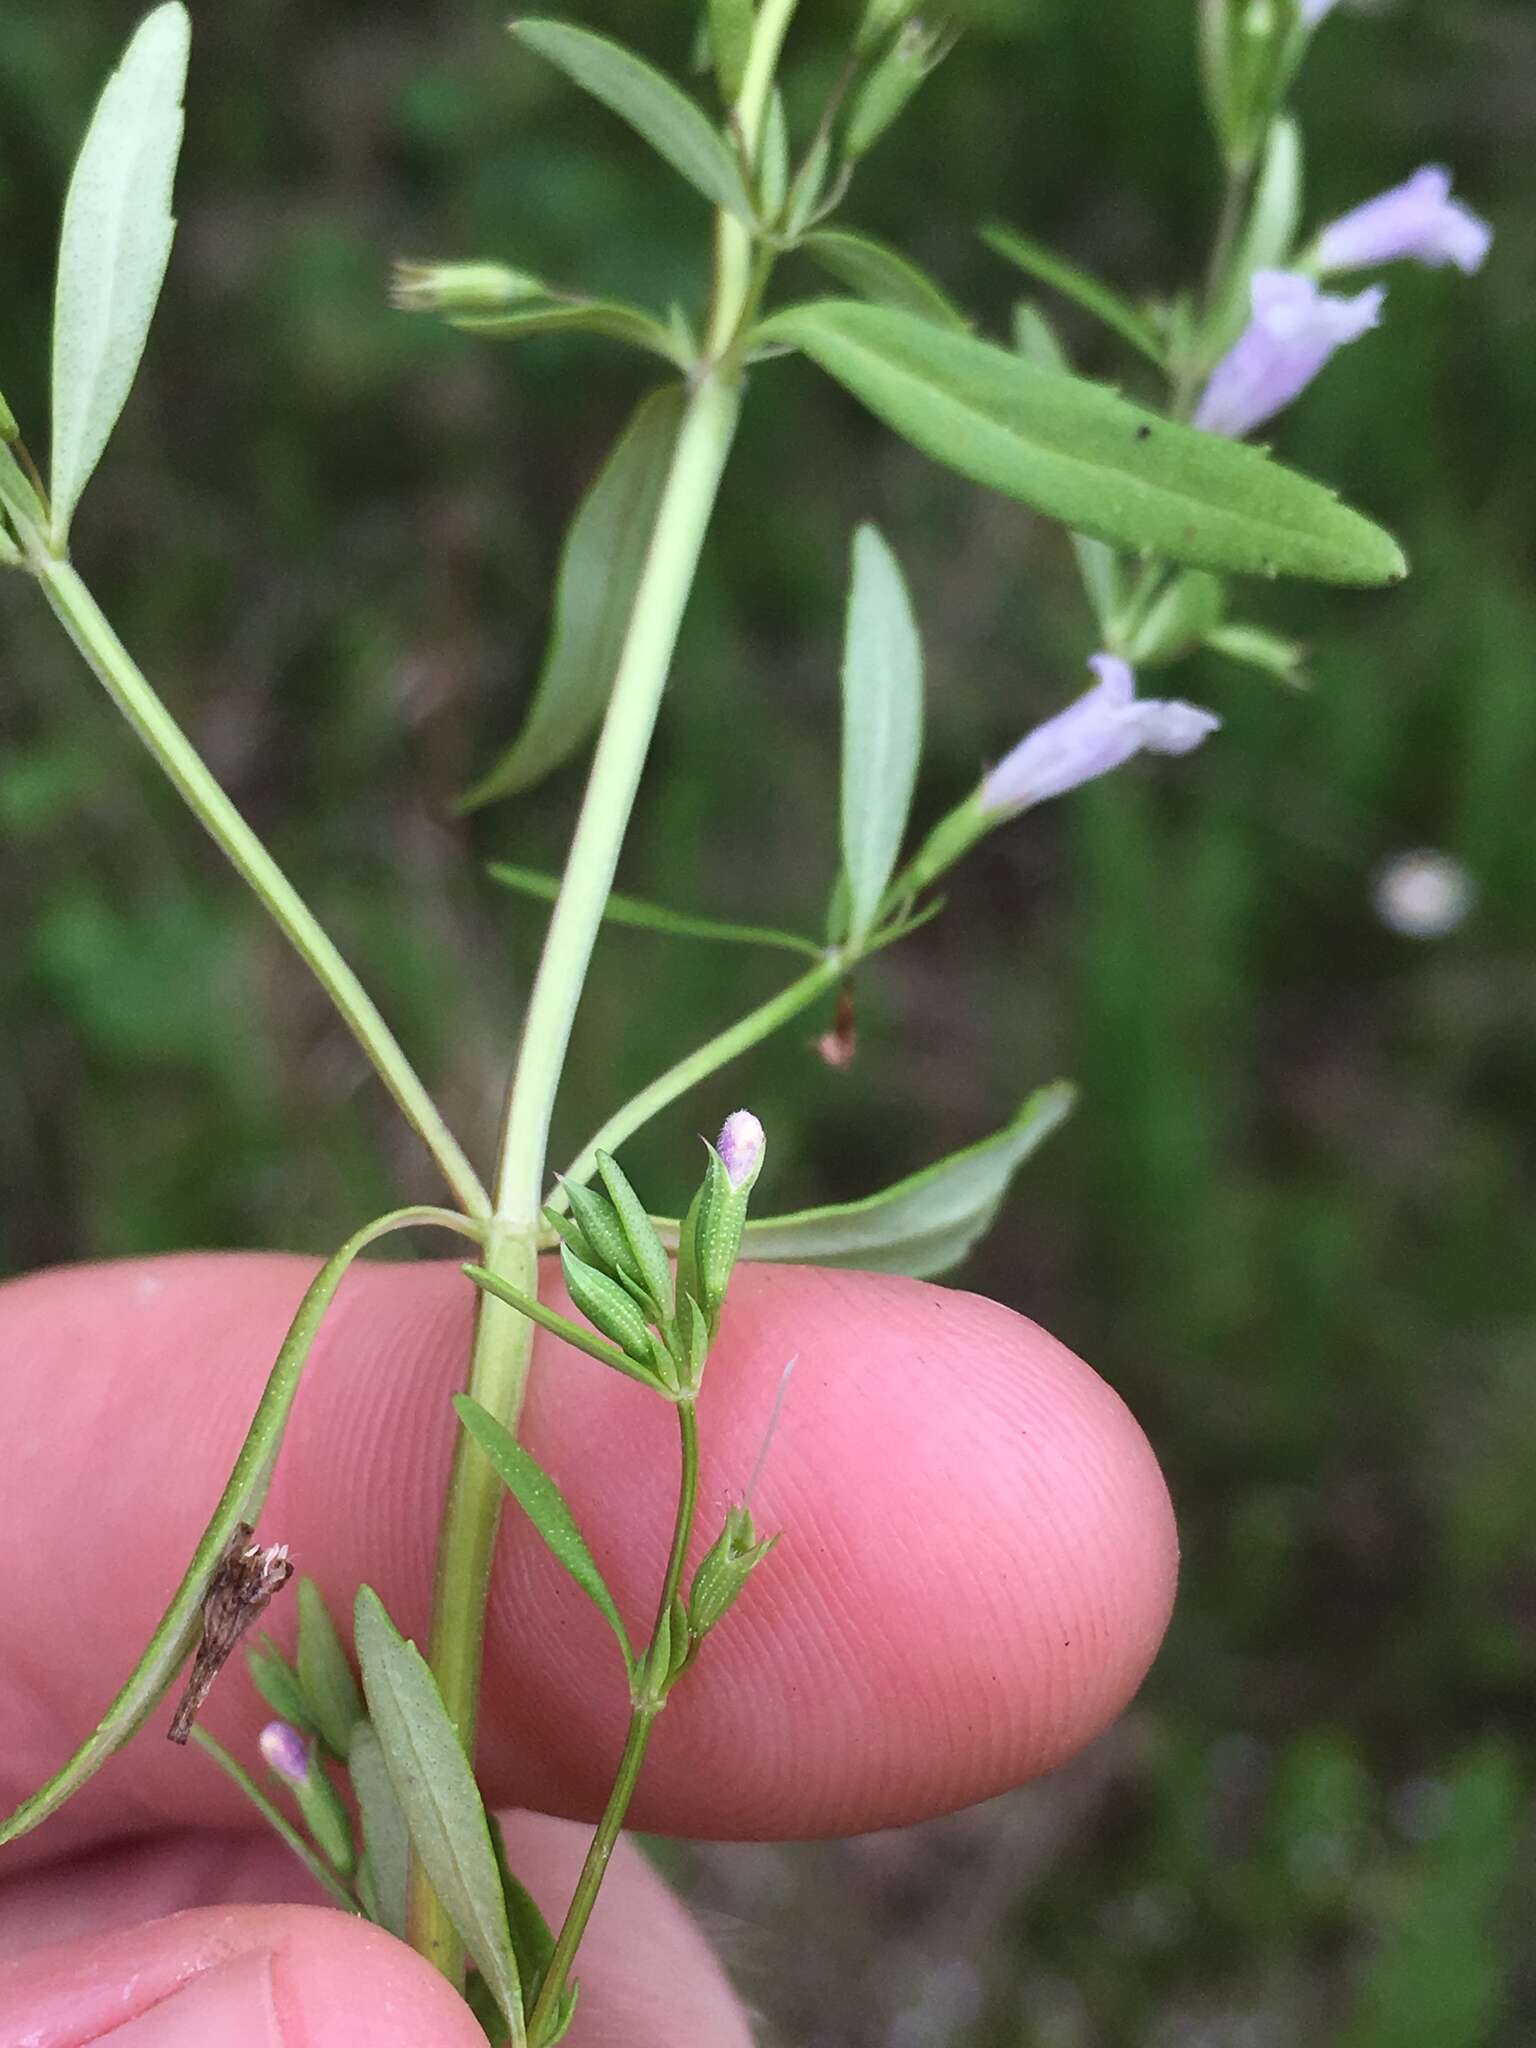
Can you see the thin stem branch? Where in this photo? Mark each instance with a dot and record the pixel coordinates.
(277, 1820)
(643, 1719)
(87, 626)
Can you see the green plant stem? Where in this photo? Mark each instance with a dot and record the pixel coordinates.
(277, 1820)
(642, 1720)
(82, 618)
(503, 1343)
(698, 1065)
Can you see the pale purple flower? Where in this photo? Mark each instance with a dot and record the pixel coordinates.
(1417, 219)
(1295, 328)
(1107, 725)
(741, 1147)
(1312, 11)
(285, 1752)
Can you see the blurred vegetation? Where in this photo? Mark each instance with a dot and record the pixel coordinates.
(1293, 1220)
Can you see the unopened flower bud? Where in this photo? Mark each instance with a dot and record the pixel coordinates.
(285, 1753)
(741, 1148)
(1105, 727)
(881, 18)
(886, 91)
(461, 287)
(1294, 330)
(725, 1569)
(1417, 219)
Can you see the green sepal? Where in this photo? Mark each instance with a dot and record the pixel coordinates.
(598, 1222)
(693, 1341)
(278, 1683)
(607, 1306)
(1182, 616)
(325, 1673)
(329, 1824)
(649, 1255)
(568, 1231)
(883, 97)
(1282, 660)
(724, 1570)
(718, 1227)
(688, 1285)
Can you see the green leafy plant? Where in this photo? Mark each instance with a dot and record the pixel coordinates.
(1164, 500)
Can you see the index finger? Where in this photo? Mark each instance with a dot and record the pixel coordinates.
(977, 1564)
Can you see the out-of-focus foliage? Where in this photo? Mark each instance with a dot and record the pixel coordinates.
(1292, 1220)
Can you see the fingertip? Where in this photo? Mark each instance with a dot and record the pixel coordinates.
(253, 1977)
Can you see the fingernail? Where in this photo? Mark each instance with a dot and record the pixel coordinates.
(231, 2006)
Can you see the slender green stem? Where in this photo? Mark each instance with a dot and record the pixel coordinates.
(277, 1820)
(503, 1345)
(643, 1719)
(697, 1066)
(83, 620)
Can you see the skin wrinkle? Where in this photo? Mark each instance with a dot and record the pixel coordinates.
(824, 1709)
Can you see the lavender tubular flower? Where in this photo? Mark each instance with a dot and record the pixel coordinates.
(741, 1147)
(1417, 219)
(1294, 330)
(1105, 727)
(285, 1752)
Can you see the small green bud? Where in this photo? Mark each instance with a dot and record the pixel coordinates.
(886, 91)
(881, 19)
(724, 1571)
(599, 1224)
(719, 1213)
(300, 1768)
(730, 40)
(608, 1308)
(461, 287)
(645, 1247)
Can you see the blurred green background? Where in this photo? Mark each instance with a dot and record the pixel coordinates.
(1292, 1222)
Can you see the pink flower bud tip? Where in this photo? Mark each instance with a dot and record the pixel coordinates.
(1105, 727)
(741, 1147)
(285, 1752)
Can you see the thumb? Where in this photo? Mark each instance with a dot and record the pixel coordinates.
(244, 1977)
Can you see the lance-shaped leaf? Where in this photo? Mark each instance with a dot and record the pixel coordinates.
(438, 1798)
(656, 917)
(882, 725)
(658, 111)
(881, 274)
(278, 1683)
(544, 1505)
(325, 1673)
(386, 1839)
(240, 1501)
(1073, 283)
(115, 244)
(608, 317)
(922, 1225)
(1084, 455)
(599, 573)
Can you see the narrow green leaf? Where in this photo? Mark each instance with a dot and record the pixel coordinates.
(658, 111)
(561, 1326)
(599, 572)
(882, 725)
(179, 1626)
(326, 1673)
(640, 1235)
(882, 274)
(386, 1840)
(113, 249)
(1077, 285)
(922, 1225)
(533, 1939)
(656, 917)
(544, 1505)
(1084, 455)
(278, 1683)
(608, 317)
(438, 1798)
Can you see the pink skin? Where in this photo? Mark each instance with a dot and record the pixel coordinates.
(977, 1569)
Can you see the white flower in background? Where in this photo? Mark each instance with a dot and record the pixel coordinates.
(1422, 894)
